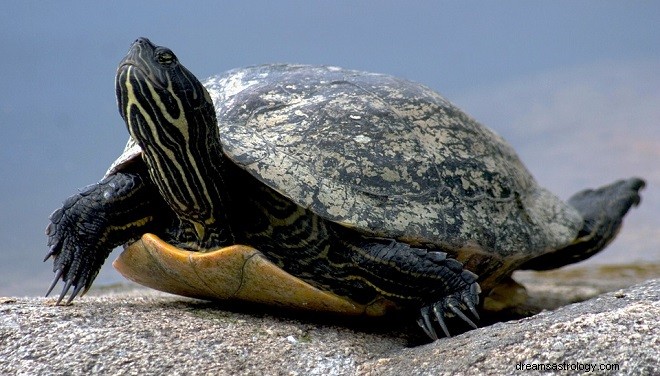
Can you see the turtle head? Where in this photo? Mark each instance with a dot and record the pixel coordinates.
(157, 95)
(169, 113)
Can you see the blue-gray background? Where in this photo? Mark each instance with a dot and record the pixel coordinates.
(574, 86)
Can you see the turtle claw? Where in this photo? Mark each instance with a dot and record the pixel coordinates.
(75, 292)
(438, 316)
(460, 314)
(58, 274)
(66, 288)
(452, 305)
(51, 252)
(472, 308)
(424, 322)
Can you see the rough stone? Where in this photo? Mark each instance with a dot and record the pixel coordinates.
(619, 329)
(132, 331)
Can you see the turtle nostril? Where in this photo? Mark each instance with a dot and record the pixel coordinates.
(141, 40)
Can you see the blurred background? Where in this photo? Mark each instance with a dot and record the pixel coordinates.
(574, 86)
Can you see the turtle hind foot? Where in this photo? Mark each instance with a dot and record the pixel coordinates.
(453, 305)
(603, 210)
(607, 205)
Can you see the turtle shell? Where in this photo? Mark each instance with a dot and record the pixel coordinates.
(387, 157)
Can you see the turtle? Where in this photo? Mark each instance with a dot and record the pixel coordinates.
(318, 188)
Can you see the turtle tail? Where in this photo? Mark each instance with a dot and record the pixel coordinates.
(603, 210)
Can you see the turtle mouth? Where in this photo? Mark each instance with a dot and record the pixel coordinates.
(134, 70)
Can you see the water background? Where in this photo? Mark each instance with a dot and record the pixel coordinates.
(574, 86)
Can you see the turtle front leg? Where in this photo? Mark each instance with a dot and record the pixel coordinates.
(90, 224)
(415, 276)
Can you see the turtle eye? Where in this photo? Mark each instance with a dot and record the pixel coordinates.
(165, 58)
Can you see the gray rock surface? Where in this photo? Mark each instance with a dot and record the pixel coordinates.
(617, 333)
(137, 331)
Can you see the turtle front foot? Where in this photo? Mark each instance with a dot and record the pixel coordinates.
(83, 232)
(450, 306)
(74, 233)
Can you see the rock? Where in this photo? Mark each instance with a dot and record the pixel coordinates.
(141, 331)
(147, 332)
(616, 333)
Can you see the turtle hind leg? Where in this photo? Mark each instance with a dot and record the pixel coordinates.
(415, 277)
(603, 210)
